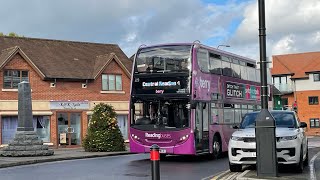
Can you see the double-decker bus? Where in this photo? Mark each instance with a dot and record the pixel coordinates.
(186, 97)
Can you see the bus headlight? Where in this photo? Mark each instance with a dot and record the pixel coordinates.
(135, 137)
(184, 138)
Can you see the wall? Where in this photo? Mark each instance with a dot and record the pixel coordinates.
(307, 84)
(306, 111)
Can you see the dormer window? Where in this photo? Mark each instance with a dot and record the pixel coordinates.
(11, 78)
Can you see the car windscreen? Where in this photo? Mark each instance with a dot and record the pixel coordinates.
(283, 119)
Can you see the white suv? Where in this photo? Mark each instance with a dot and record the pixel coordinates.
(292, 143)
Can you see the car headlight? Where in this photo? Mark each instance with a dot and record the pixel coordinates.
(237, 138)
(287, 138)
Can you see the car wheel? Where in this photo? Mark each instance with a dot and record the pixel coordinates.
(300, 165)
(306, 161)
(216, 147)
(235, 167)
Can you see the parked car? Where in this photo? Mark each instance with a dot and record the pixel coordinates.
(291, 144)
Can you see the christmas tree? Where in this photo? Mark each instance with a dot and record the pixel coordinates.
(103, 133)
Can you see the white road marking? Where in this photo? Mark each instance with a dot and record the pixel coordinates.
(312, 169)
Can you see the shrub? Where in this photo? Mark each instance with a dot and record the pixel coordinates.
(103, 133)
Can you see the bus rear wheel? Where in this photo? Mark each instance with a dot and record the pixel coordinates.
(216, 147)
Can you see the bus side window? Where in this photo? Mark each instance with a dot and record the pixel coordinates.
(226, 66)
(235, 68)
(215, 66)
(244, 110)
(228, 113)
(205, 117)
(214, 114)
(251, 72)
(244, 72)
(202, 57)
(237, 114)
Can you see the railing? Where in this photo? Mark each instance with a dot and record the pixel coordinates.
(284, 87)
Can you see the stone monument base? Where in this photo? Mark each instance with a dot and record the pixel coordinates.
(26, 143)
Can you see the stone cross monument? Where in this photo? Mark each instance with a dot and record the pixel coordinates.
(25, 142)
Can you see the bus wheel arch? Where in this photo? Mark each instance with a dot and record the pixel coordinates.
(216, 146)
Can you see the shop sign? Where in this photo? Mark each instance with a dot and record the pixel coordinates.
(69, 105)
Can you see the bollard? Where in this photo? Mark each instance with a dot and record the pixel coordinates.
(155, 162)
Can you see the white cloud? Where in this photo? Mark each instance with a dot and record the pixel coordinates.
(128, 23)
(285, 45)
(291, 27)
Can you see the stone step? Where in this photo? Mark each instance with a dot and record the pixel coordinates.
(27, 153)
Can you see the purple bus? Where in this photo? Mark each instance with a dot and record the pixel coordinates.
(187, 97)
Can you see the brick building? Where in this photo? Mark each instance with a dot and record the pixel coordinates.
(297, 76)
(67, 79)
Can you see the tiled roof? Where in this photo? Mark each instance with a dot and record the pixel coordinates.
(64, 59)
(298, 65)
(5, 54)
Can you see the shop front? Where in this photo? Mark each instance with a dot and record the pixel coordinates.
(69, 121)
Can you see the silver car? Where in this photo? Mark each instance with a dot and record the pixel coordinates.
(292, 143)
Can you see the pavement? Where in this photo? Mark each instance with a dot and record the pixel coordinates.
(59, 155)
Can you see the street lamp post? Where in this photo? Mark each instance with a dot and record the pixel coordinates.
(267, 163)
(225, 45)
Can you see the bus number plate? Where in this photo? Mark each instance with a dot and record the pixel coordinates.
(162, 151)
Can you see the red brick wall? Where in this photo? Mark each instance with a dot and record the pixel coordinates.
(54, 129)
(306, 111)
(41, 90)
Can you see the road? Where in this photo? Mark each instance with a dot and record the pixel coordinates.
(138, 166)
(126, 167)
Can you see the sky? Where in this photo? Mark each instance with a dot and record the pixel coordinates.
(292, 26)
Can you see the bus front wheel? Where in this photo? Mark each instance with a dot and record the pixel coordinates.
(216, 147)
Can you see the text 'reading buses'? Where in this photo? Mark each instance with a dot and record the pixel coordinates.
(183, 96)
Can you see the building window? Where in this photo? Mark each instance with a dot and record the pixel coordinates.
(11, 78)
(41, 126)
(280, 80)
(316, 77)
(313, 100)
(314, 123)
(111, 82)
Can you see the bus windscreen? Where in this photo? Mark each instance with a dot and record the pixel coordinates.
(163, 59)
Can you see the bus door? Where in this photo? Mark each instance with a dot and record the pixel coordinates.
(202, 126)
